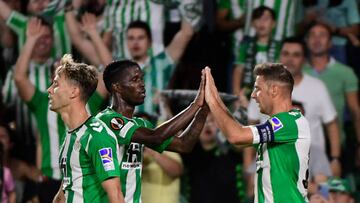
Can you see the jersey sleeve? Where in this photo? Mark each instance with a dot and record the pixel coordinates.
(224, 4)
(38, 100)
(278, 129)
(124, 129)
(159, 148)
(351, 81)
(102, 150)
(17, 22)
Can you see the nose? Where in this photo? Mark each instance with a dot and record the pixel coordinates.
(49, 90)
(253, 95)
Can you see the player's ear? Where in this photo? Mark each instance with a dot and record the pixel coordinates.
(116, 87)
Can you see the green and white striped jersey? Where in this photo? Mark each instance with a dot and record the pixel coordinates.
(51, 132)
(282, 158)
(52, 129)
(39, 75)
(158, 71)
(88, 156)
(236, 9)
(118, 15)
(62, 44)
(131, 153)
(285, 11)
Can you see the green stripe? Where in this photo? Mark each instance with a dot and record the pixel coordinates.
(61, 129)
(137, 194)
(48, 76)
(60, 27)
(37, 76)
(261, 2)
(132, 11)
(8, 94)
(287, 14)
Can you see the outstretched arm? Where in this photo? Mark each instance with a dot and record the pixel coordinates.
(234, 132)
(25, 87)
(85, 46)
(89, 26)
(171, 127)
(186, 141)
(180, 41)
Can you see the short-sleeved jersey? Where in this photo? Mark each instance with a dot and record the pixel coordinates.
(39, 75)
(88, 156)
(119, 14)
(282, 158)
(158, 71)
(346, 81)
(131, 153)
(285, 12)
(51, 129)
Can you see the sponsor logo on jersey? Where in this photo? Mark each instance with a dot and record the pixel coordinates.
(107, 158)
(116, 123)
(133, 159)
(276, 124)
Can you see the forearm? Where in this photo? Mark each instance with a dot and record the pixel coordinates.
(102, 50)
(170, 166)
(334, 138)
(356, 124)
(233, 131)
(59, 197)
(186, 141)
(113, 190)
(5, 10)
(12, 197)
(230, 25)
(22, 63)
(84, 46)
(345, 31)
(172, 126)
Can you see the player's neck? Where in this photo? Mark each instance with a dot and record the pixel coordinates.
(282, 105)
(122, 107)
(74, 115)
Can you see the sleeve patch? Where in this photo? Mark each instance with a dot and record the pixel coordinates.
(116, 123)
(276, 124)
(107, 159)
(266, 132)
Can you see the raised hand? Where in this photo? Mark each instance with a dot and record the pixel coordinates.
(34, 29)
(88, 23)
(200, 97)
(211, 93)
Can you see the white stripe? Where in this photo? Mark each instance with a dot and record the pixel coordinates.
(125, 129)
(269, 3)
(77, 176)
(281, 20)
(157, 26)
(256, 135)
(64, 155)
(42, 77)
(291, 18)
(54, 142)
(130, 185)
(302, 146)
(266, 177)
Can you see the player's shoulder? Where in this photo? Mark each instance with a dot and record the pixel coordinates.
(285, 119)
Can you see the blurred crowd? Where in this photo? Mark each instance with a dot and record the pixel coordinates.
(172, 40)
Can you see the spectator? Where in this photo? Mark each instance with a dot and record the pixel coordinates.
(340, 191)
(213, 175)
(285, 12)
(343, 18)
(161, 177)
(339, 79)
(230, 17)
(262, 48)
(7, 184)
(17, 22)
